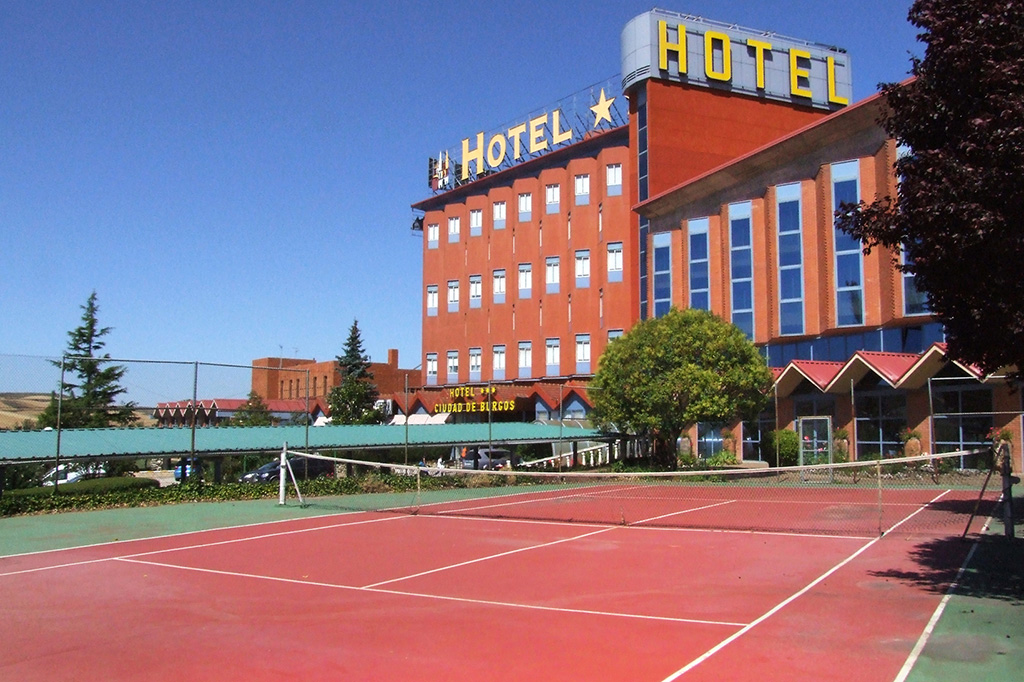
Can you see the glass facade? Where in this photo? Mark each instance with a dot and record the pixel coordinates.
(849, 262)
(662, 242)
(741, 267)
(700, 280)
(790, 250)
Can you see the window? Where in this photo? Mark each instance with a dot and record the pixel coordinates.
(614, 334)
(551, 198)
(583, 353)
(962, 415)
(613, 174)
(525, 207)
(583, 269)
(880, 417)
(615, 262)
(453, 296)
(475, 362)
(453, 229)
(476, 222)
(662, 273)
(552, 354)
(476, 290)
(453, 367)
(791, 287)
(741, 267)
(525, 280)
(848, 263)
(700, 281)
(498, 285)
(525, 359)
(551, 275)
(432, 300)
(431, 369)
(915, 301)
(433, 234)
(645, 229)
(498, 363)
(499, 215)
(582, 186)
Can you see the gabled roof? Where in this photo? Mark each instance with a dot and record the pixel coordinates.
(890, 367)
(819, 373)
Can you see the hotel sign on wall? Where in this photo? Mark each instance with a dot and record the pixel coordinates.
(599, 107)
(474, 399)
(696, 51)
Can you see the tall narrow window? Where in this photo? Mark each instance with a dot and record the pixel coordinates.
(791, 286)
(581, 185)
(498, 363)
(583, 353)
(662, 273)
(525, 207)
(552, 357)
(849, 265)
(525, 359)
(431, 300)
(645, 229)
(741, 267)
(915, 301)
(453, 367)
(454, 228)
(476, 222)
(551, 198)
(453, 296)
(700, 281)
(476, 290)
(615, 262)
(525, 280)
(433, 235)
(613, 179)
(475, 363)
(551, 275)
(498, 285)
(583, 269)
(498, 215)
(431, 369)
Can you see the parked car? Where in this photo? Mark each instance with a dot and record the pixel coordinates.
(302, 467)
(190, 463)
(484, 458)
(72, 473)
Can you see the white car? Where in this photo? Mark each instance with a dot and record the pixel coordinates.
(72, 473)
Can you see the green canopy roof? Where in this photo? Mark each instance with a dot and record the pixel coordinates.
(27, 446)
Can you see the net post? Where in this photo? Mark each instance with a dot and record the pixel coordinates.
(1004, 459)
(878, 479)
(281, 483)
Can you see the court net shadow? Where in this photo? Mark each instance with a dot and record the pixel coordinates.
(996, 571)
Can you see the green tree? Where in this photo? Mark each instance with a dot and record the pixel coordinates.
(92, 385)
(960, 195)
(253, 412)
(668, 373)
(352, 400)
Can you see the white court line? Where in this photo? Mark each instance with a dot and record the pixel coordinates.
(166, 550)
(922, 641)
(793, 597)
(465, 600)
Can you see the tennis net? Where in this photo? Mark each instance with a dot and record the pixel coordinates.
(932, 494)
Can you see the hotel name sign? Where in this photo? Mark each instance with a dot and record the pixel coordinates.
(474, 399)
(696, 51)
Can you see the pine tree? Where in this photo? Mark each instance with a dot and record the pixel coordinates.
(91, 385)
(352, 400)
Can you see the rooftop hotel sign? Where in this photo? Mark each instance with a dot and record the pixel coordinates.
(599, 107)
(696, 51)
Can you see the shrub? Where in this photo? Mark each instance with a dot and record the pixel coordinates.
(782, 447)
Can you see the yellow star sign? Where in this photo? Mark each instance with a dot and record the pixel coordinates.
(603, 109)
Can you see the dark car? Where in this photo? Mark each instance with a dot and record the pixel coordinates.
(302, 467)
(485, 458)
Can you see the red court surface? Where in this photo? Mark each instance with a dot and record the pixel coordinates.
(372, 596)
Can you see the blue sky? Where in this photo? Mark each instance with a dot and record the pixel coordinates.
(234, 179)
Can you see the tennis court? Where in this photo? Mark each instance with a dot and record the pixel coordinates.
(448, 593)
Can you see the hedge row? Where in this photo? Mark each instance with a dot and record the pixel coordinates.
(106, 493)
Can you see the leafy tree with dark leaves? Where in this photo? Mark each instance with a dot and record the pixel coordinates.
(352, 400)
(671, 372)
(960, 202)
(92, 385)
(253, 412)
